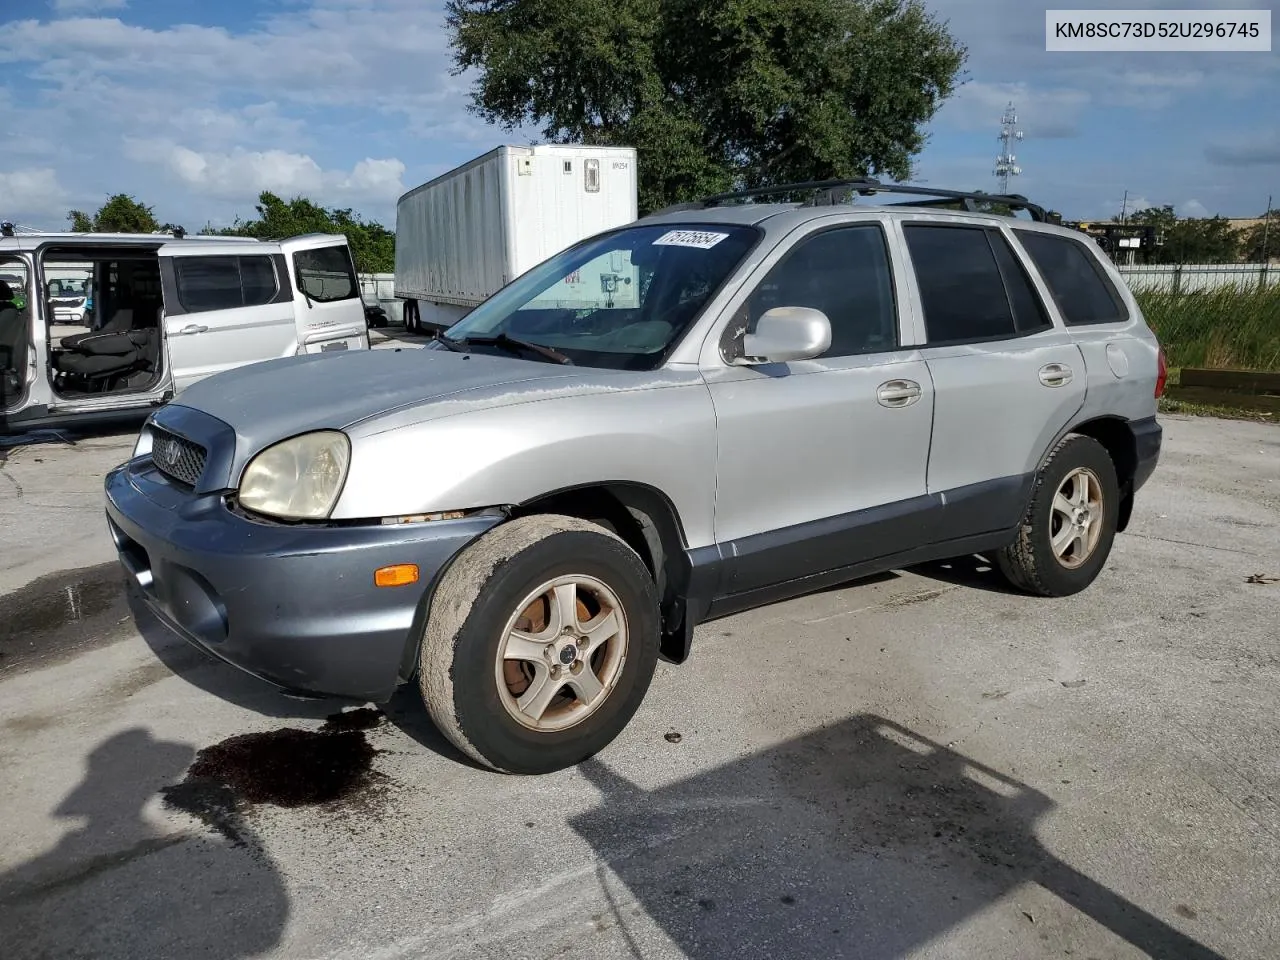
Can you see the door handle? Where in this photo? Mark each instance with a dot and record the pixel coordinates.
(194, 328)
(898, 393)
(1055, 374)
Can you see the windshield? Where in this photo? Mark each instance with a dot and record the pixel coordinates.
(621, 300)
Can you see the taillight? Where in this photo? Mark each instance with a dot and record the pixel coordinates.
(1162, 373)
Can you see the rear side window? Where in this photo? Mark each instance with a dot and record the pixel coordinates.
(1082, 291)
(224, 283)
(960, 283)
(326, 274)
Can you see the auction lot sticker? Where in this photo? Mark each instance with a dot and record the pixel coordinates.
(702, 239)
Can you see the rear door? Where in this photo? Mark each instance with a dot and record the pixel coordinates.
(1007, 377)
(225, 305)
(327, 301)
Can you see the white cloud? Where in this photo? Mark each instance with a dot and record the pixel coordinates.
(33, 196)
(1192, 208)
(242, 174)
(86, 6)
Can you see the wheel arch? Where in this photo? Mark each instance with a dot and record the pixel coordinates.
(1116, 436)
(643, 516)
(648, 521)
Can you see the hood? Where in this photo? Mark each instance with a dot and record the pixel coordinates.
(279, 398)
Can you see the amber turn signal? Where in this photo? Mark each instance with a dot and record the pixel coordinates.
(397, 575)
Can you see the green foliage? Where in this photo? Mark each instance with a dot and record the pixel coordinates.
(1231, 328)
(372, 245)
(120, 214)
(714, 96)
(1190, 240)
(1262, 240)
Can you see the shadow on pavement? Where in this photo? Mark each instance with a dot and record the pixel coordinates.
(974, 571)
(860, 840)
(118, 886)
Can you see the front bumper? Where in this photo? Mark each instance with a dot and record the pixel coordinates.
(295, 605)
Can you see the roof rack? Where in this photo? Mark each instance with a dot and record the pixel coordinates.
(831, 191)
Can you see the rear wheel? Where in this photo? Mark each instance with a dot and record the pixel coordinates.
(1070, 524)
(541, 644)
(411, 316)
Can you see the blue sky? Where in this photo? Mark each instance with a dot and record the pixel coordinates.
(194, 106)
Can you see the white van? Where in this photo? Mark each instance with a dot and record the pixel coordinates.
(163, 312)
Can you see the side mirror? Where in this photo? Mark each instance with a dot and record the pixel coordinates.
(784, 334)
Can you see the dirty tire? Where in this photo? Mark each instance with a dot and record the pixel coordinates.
(464, 632)
(1029, 563)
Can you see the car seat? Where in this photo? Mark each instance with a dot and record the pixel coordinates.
(14, 341)
(114, 353)
(121, 322)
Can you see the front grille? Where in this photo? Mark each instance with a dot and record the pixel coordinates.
(177, 457)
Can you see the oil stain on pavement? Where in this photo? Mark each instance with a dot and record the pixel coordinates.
(330, 768)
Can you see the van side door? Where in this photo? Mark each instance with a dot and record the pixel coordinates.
(225, 306)
(327, 302)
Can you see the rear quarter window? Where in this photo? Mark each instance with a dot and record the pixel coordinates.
(1083, 292)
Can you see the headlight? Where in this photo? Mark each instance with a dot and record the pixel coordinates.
(300, 478)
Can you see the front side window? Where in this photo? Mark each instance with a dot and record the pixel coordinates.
(224, 283)
(621, 301)
(961, 288)
(845, 273)
(326, 274)
(1079, 287)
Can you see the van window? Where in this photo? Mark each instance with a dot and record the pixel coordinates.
(224, 283)
(326, 274)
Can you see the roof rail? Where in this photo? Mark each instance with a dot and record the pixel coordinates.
(831, 191)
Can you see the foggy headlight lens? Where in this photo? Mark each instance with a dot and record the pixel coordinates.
(300, 478)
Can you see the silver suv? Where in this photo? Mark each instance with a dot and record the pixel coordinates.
(713, 408)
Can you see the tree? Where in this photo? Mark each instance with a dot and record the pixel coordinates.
(1262, 240)
(1189, 240)
(714, 96)
(120, 214)
(372, 244)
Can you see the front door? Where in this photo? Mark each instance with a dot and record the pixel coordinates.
(1008, 379)
(225, 305)
(327, 301)
(821, 463)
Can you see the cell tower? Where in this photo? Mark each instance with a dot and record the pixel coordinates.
(1006, 163)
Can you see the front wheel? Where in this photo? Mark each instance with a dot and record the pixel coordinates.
(541, 644)
(1070, 524)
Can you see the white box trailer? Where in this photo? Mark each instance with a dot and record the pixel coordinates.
(466, 234)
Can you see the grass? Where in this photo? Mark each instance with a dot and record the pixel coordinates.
(1236, 329)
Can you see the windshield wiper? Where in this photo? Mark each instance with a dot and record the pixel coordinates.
(515, 346)
(453, 345)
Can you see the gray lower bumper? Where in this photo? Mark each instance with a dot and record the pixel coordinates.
(293, 604)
